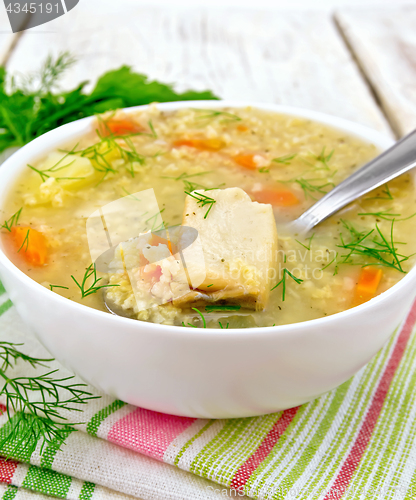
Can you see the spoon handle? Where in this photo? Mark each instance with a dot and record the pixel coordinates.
(396, 160)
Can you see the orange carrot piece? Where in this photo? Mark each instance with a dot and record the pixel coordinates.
(278, 197)
(369, 279)
(367, 284)
(119, 127)
(246, 161)
(31, 244)
(201, 144)
(242, 128)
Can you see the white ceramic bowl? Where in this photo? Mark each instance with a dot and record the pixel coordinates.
(197, 372)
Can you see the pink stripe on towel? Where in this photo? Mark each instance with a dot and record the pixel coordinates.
(148, 432)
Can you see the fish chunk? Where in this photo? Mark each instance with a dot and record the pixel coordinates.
(239, 243)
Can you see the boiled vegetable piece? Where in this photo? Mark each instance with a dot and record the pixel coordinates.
(246, 161)
(368, 283)
(242, 128)
(119, 127)
(239, 242)
(201, 144)
(71, 171)
(31, 244)
(278, 197)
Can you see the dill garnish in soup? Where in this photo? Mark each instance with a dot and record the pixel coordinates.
(227, 178)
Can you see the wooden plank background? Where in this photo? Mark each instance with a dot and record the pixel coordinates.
(384, 43)
(359, 64)
(293, 58)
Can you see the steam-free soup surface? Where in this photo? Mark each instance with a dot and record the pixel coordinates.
(284, 161)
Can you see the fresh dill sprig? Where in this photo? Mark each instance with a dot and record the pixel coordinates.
(202, 318)
(214, 307)
(329, 263)
(355, 233)
(191, 185)
(9, 354)
(308, 247)
(98, 152)
(93, 288)
(52, 70)
(47, 78)
(129, 194)
(324, 158)
(43, 176)
(210, 114)
(372, 244)
(386, 192)
(57, 286)
(282, 282)
(13, 221)
(26, 240)
(285, 159)
(387, 215)
(33, 404)
(154, 135)
(55, 168)
(203, 200)
(154, 218)
(109, 144)
(222, 327)
(204, 322)
(309, 188)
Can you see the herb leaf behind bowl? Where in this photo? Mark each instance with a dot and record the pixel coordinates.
(33, 105)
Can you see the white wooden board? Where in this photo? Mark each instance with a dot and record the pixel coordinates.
(294, 58)
(384, 43)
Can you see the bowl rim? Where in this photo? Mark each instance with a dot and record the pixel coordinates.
(50, 140)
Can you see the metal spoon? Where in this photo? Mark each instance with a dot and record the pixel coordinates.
(119, 311)
(393, 162)
(115, 309)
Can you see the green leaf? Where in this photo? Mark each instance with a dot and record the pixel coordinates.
(34, 106)
(135, 89)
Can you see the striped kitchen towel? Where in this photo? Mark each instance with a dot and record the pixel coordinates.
(355, 442)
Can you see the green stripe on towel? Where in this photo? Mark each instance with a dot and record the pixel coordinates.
(98, 418)
(5, 306)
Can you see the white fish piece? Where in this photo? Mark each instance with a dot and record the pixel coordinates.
(239, 243)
